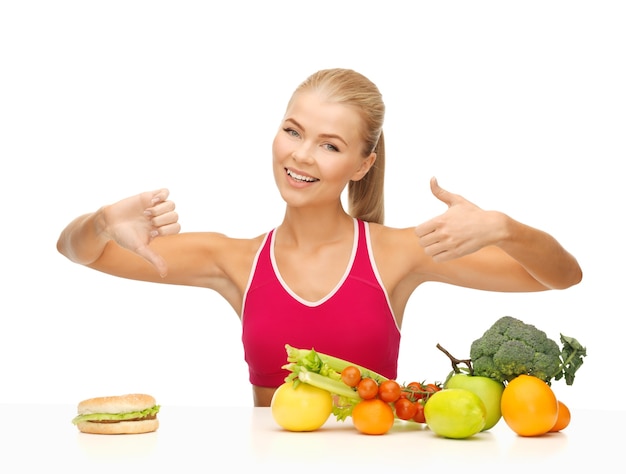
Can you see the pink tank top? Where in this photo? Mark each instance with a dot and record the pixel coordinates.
(353, 322)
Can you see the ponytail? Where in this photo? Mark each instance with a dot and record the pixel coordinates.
(366, 196)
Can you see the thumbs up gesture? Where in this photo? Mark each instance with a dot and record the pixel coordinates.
(462, 229)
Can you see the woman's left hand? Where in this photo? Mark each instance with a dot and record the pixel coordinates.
(463, 229)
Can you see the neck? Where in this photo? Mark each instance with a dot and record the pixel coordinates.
(311, 227)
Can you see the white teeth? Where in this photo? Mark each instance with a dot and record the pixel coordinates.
(300, 177)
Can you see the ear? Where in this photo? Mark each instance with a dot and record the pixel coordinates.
(366, 164)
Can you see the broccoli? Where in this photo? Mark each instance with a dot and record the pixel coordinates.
(511, 347)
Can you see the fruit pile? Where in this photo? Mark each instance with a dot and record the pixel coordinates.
(461, 407)
(382, 402)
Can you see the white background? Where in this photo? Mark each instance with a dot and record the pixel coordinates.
(518, 106)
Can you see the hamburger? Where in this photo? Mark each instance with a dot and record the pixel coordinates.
(122, 414)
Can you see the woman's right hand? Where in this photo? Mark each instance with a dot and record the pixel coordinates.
(134, 222)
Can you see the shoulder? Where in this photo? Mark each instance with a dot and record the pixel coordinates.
(384, 236)
(401, 261)
(396, 246)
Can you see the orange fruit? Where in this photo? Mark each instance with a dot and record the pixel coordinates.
(529, 406)
(563, 418)
(373, 416)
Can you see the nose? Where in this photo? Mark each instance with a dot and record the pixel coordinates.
(303, 153)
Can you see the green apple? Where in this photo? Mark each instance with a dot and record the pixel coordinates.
(455, 413)
(489, 391)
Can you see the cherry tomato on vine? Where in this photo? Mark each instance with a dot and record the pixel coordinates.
(351, 376)
(431, 388)
(367, 388)
(419, 413)
(389, 391)
(421, 391)
(405, 408)
(415, 391)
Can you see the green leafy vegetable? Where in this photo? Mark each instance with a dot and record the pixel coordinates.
(511, 347)
(117, 416)
(571, 359)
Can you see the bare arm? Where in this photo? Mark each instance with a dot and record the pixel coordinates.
(466, 230)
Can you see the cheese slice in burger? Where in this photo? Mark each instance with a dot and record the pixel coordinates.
(121, 414)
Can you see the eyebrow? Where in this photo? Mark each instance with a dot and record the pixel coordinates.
(323, 135)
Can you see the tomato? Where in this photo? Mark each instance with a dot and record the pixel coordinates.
(367, 388)
(373, 416)
(563, 418)
(421, 391)
(389, 391)
(302, 407)
(419, 413)
(351, 376)
(414, 387)
(405, 408)
(529, 406)
(431, 388)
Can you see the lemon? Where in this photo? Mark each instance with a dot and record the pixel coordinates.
(455, 413)
(302, 407)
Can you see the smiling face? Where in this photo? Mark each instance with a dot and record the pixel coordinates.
(317, 150)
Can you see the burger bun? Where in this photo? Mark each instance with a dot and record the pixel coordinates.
(120, 427)
(117, 404)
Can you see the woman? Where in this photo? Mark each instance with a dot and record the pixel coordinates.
(323, 267)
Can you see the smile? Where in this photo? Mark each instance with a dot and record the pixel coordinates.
(298, 177)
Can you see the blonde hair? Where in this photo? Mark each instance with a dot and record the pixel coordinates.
(345, 86)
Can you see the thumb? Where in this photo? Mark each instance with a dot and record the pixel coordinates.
(154, 259)
(444, 196)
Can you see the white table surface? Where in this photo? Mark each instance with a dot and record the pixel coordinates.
(40, 438)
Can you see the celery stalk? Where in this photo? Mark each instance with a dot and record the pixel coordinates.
(324, 371)
(336, 387)
(325, 364)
